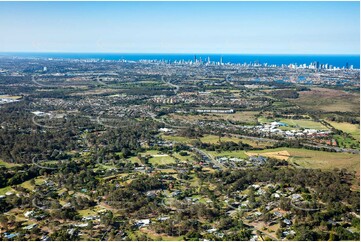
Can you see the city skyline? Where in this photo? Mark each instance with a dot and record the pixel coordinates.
(181, 27)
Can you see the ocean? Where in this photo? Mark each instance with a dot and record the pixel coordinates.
(335, 60)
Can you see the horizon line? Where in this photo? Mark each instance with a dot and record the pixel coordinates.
(169, 53)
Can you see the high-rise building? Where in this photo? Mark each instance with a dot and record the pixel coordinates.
(221, 61)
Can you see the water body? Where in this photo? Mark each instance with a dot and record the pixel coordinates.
(335, 60)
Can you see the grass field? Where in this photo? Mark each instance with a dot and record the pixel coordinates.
(256, 144)
(184, 158)
(315, 159)
(281, 104)
(5, 190)
(243, 117)
(157, 158)
(87, 212)
(27, 185)
(328, 100)
(134, 159)
(154, 236)
(303, 123)
(10, 97)
(161, 160)
(263, 120)
(295, 123)
(353, 129)
(213, 139)
(7, 164)
(237, 154)
(281, 155)
(346, 142)
(178, 139)
(108, 166)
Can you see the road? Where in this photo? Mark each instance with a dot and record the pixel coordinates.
(172, 85)
(210, 157)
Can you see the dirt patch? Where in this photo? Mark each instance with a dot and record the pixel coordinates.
(281, 155)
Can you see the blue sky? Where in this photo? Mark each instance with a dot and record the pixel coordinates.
(181, 27)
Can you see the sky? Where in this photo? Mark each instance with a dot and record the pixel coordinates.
(181, 27)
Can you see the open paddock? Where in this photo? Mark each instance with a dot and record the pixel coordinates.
(328, 100)
(353, 129)
(314, 159)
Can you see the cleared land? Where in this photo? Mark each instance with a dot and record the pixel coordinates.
(5, 190)
(353, 129)
(179, 139)
(328, 100)
(213, 139)
(210, 139)
(302, 123)
(10, 97)
(281, 155)
(243, 117)
(162, 160)
(256, 143)
(7, 164)
(295, 123)
(156, 158)
(237, 154)
(314, 159)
